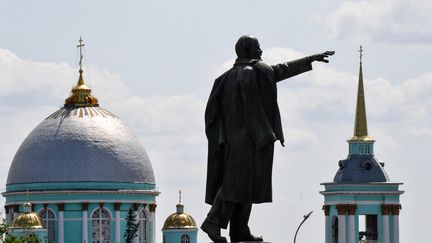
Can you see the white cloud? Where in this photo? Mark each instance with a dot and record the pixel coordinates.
(277, 54)
(389, 21)
(53, 80)
(20, 76)
(162, 113)
(425, 131)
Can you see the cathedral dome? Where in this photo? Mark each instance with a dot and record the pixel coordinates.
(80, 142)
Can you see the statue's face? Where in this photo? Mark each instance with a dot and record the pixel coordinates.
(257, 52)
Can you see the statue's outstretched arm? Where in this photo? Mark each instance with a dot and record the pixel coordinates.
(321, 57)
(286, 70)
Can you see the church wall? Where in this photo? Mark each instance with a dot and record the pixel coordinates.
(361, 199)
(73, 213)
(174, 235)
(95, 197)
(72, 230)
(363, 187)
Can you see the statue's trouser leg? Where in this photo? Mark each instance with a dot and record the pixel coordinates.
(220, 212)
(237, 214)
(239, 220)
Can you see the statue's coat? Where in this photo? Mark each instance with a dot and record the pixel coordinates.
(242, 123)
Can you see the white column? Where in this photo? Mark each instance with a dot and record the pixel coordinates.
(117, 234)
(152, 225)
(327, 223)
(396, 228)
(117, 226)
(342, 229)
(351, 224)
(61, 227)
(327, 229)
(84, 227)
(386, 228)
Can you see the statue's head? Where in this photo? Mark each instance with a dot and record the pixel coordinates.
(248, 47)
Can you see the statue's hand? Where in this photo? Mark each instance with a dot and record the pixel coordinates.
(322, 56)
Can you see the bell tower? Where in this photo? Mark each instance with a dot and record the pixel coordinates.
(361, 204)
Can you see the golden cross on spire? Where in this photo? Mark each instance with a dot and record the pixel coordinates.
(80, 46)
(180, 197)
(361, 53)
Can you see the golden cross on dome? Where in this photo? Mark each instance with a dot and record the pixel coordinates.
(80, 46)
(361, 53)
(180, 196)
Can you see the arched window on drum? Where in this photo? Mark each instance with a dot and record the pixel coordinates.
(143, 226)
(100, 219)
(49, 218)
(185, 239)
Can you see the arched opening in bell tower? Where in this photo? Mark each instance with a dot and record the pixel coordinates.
(368, 228)
(335, 230)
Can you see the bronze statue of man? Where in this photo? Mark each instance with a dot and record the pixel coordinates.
(242, 122)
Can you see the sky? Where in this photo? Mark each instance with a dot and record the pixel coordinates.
(153, 63)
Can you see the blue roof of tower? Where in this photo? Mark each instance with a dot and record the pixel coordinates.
(356, 169)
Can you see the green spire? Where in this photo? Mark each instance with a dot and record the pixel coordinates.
(360, 126)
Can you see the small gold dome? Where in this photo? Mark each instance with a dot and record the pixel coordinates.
(27, 220)
(179, 220)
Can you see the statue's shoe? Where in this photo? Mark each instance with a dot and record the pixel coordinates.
(246, 238)
(213, 232)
